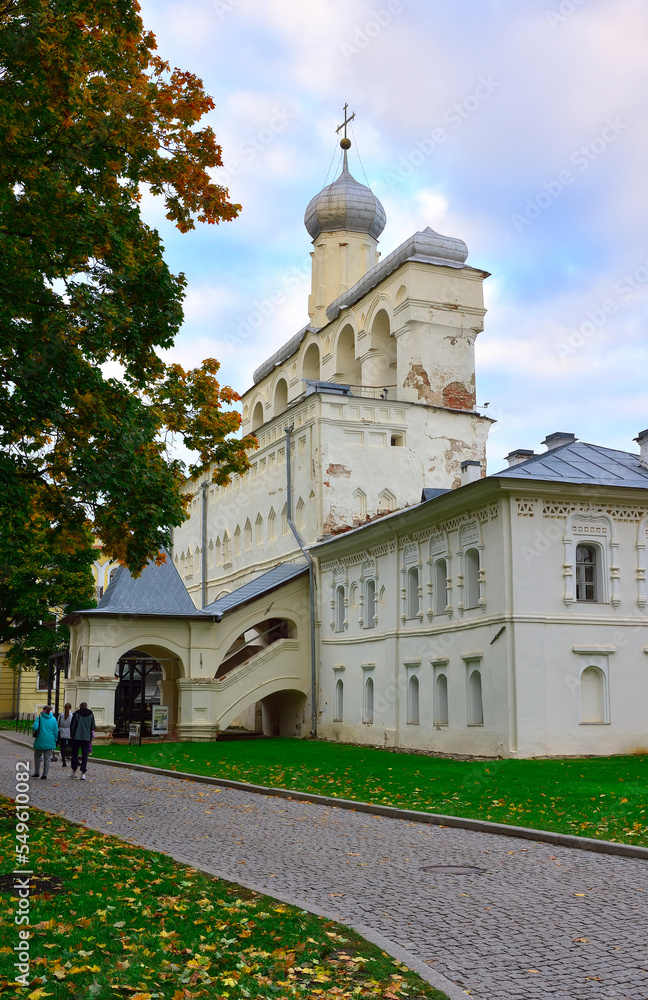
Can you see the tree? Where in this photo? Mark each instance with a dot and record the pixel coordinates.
(90, 118)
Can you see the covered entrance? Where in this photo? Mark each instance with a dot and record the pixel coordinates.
(139, 688)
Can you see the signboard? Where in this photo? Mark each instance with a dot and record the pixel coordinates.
(160, 720)
(134, 732)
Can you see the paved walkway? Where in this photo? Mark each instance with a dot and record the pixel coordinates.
(541, 922)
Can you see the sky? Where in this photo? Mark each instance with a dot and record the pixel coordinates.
(520, 128)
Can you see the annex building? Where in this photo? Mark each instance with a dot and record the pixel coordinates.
(366, 579)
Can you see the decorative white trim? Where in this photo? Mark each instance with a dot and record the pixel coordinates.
(338, 668)
(368, 666)
(598, 529)
(594, 650)
(444, 661)
(469, 657)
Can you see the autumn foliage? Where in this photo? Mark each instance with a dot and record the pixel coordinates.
(90, 119)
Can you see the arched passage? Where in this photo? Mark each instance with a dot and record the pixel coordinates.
(280, 396)
(347, 368)
(257, 415)
(147, 677)
(311, 363)
(379, 367)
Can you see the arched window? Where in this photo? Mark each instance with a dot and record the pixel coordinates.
(440, 586)
(471, 578)
(258, 530)
(217, 552)
(347, 369)
(284, 519)
(227, 548)
(593, 701)
(441, 700)
(413, 592)
(272, 525)
(280, 396)
(587, 573)
(339, 608)
(379, 369)
(368, 706)
(413, 701)
(237, 541)
(311, 364)
(248, 535)
(339, 700)
(475, 705)
(370, 604)
(257, 416)
(299, 514)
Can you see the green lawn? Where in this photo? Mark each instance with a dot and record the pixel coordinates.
(602, 797)
(133, 923)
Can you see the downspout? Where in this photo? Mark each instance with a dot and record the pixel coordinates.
(311, 582)
(204, 543)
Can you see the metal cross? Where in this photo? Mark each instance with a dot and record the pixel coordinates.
(347, 121)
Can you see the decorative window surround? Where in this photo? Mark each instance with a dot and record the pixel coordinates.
(603, 650)
(411, 560)
(599, 530)
(642, 586)
(474, 712)
(470, 538)
(338, 667)
(368, 666)
(466, 657)
(444, 661)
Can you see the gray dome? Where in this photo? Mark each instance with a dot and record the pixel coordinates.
(345, 205)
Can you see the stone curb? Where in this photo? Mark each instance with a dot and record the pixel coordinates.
(411, 815)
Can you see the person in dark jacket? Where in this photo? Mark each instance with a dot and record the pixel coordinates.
(45, 729)
(82, 730)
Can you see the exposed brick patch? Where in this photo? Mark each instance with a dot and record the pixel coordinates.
(338, 470)
(458, 397)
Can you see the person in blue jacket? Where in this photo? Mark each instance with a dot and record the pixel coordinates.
(45, 729)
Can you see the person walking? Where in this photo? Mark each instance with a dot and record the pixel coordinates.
(64, 721)
(82, 730)
(45, 729)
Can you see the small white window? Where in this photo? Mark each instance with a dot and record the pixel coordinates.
(587, 564)
(368, 707)
(370, 604)
(339, 608)
(440, 716)
(471, 578)
(413, 701)
(475, 705)
(413, 592)
(339, 700)
(440, 586)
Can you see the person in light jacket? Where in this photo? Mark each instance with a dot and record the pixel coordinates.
(82, 732)
(45, 729)
(64, 721)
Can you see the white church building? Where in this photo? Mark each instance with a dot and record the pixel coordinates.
(366, 581)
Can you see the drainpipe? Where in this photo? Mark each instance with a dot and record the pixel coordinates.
(311, 582)
(205, 487)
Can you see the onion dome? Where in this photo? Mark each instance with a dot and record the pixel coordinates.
(345, 206)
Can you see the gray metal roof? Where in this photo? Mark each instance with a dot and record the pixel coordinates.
(158, 591)
(582, 463)
(428, 247)
(284, 352)
(347, 206)
(431, 494)
(262, 585)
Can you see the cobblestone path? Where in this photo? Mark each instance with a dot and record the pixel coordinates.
(539, 922)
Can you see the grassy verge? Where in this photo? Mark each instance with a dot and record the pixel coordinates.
(133, 923)
(602, 797)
